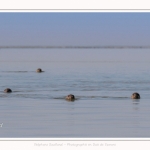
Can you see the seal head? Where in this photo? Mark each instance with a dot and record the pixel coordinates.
(39, 70)
(7, 90)
(70, 97)
(135, 96)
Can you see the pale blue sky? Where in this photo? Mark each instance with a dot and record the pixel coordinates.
(70, 29)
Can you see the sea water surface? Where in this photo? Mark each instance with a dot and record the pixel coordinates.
(102, 81)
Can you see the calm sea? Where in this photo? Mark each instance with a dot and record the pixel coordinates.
(102, 81)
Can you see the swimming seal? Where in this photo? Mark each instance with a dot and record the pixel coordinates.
(70, 97)
(7, 90)
(135, 96)
(39, 70)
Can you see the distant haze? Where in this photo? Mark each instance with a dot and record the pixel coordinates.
(74, 29)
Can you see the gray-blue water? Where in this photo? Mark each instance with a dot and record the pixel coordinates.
(102, 81)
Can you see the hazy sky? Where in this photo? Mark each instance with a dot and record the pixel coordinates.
(72, 29)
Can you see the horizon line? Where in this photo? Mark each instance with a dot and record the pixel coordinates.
(76, 47)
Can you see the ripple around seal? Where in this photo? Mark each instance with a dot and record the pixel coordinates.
(15, 71)
(102, 98)
(20, 94)
(95, 98)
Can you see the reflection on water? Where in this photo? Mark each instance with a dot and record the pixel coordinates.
(136, 117)
(136, 101)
